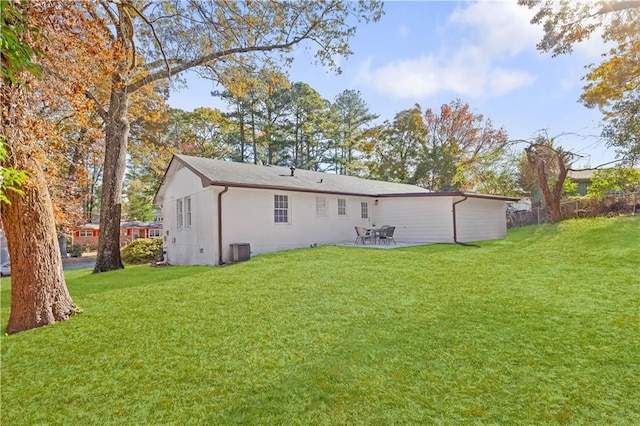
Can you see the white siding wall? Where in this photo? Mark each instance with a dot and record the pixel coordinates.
(480, 219)
(417, 219)
(189, 245)
(248, 217)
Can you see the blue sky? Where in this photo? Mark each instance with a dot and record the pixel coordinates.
(482, 52)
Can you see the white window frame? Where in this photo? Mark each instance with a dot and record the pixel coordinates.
(321, 207)
(155, 233)
(342, 209)
(364, 210)
(179, 214)
(187, 215)
(281, 209)
(86, 233)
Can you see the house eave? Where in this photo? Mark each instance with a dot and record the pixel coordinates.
(206, 181)
(291, 189)
(451, 194)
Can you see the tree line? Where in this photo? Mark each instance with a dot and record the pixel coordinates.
(450, 148)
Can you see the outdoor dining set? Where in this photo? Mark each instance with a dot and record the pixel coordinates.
(382, 235)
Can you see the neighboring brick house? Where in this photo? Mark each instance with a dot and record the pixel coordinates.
(87, 234)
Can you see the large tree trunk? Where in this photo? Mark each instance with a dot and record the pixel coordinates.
(552, 197)
(117, 134)
(39, 294)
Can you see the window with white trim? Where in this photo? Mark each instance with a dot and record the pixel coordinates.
(86, 233)
(364, 210)
(179, 214)
(187, 208)
(155, 233)
(321, 207)
(281, 208)
(342, 206)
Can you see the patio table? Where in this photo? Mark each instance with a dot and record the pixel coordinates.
(375, 233)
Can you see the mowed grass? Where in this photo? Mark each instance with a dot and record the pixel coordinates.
(540, 328)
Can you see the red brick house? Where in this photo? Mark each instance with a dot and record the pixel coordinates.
(87, 234)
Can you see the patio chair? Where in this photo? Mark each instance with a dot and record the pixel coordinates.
(378, 232)
(362, 235)
(385, 236)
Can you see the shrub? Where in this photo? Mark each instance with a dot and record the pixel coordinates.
(616, 179)
(142, 250)
(76, 250)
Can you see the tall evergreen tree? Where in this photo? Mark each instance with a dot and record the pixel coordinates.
(354, 118)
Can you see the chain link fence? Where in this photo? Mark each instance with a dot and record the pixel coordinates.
(609, 205)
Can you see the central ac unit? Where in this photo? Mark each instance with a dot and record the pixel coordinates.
(240, 252)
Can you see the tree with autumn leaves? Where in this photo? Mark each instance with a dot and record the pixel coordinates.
(442, 150)
(613, 85)
(34, 106)
(130, 46)
(154, 42)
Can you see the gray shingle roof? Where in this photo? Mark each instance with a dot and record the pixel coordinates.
(218, 172)
(582, 174)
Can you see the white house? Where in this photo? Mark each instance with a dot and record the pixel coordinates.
(212, 208)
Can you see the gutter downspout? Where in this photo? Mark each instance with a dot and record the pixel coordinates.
(226, 188)
(455, 231)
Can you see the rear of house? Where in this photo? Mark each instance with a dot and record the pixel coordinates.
(211, 205)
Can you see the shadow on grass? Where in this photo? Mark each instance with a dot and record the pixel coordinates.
(82, 282)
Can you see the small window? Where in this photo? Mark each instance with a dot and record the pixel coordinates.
(86, 233)
(187, 207)
(364, 210)
(342, 206)
(179, 214)
(155, 233)
(281, 209)
(123, 232)
(321, 210)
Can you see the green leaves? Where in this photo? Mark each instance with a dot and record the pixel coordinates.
(16, 52)
(142, 250)
(10, 178)
(617, 179)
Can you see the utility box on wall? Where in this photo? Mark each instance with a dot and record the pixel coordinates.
(240, 252)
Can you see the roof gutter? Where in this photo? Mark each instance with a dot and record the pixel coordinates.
(220, 194)
(455, 230)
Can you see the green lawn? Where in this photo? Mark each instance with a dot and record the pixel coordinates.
(540, 328)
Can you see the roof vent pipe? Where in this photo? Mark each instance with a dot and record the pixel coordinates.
(293, 169)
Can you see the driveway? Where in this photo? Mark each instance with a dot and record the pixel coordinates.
(86, 261)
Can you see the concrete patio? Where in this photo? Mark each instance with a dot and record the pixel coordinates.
(399, 244)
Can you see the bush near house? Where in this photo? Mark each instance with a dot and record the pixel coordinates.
(76, 250)
(142, 250)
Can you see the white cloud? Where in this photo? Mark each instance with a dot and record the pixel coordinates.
(406, 79)
(502, 29)
(475, 65)
(501, 82)
(427, 76)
